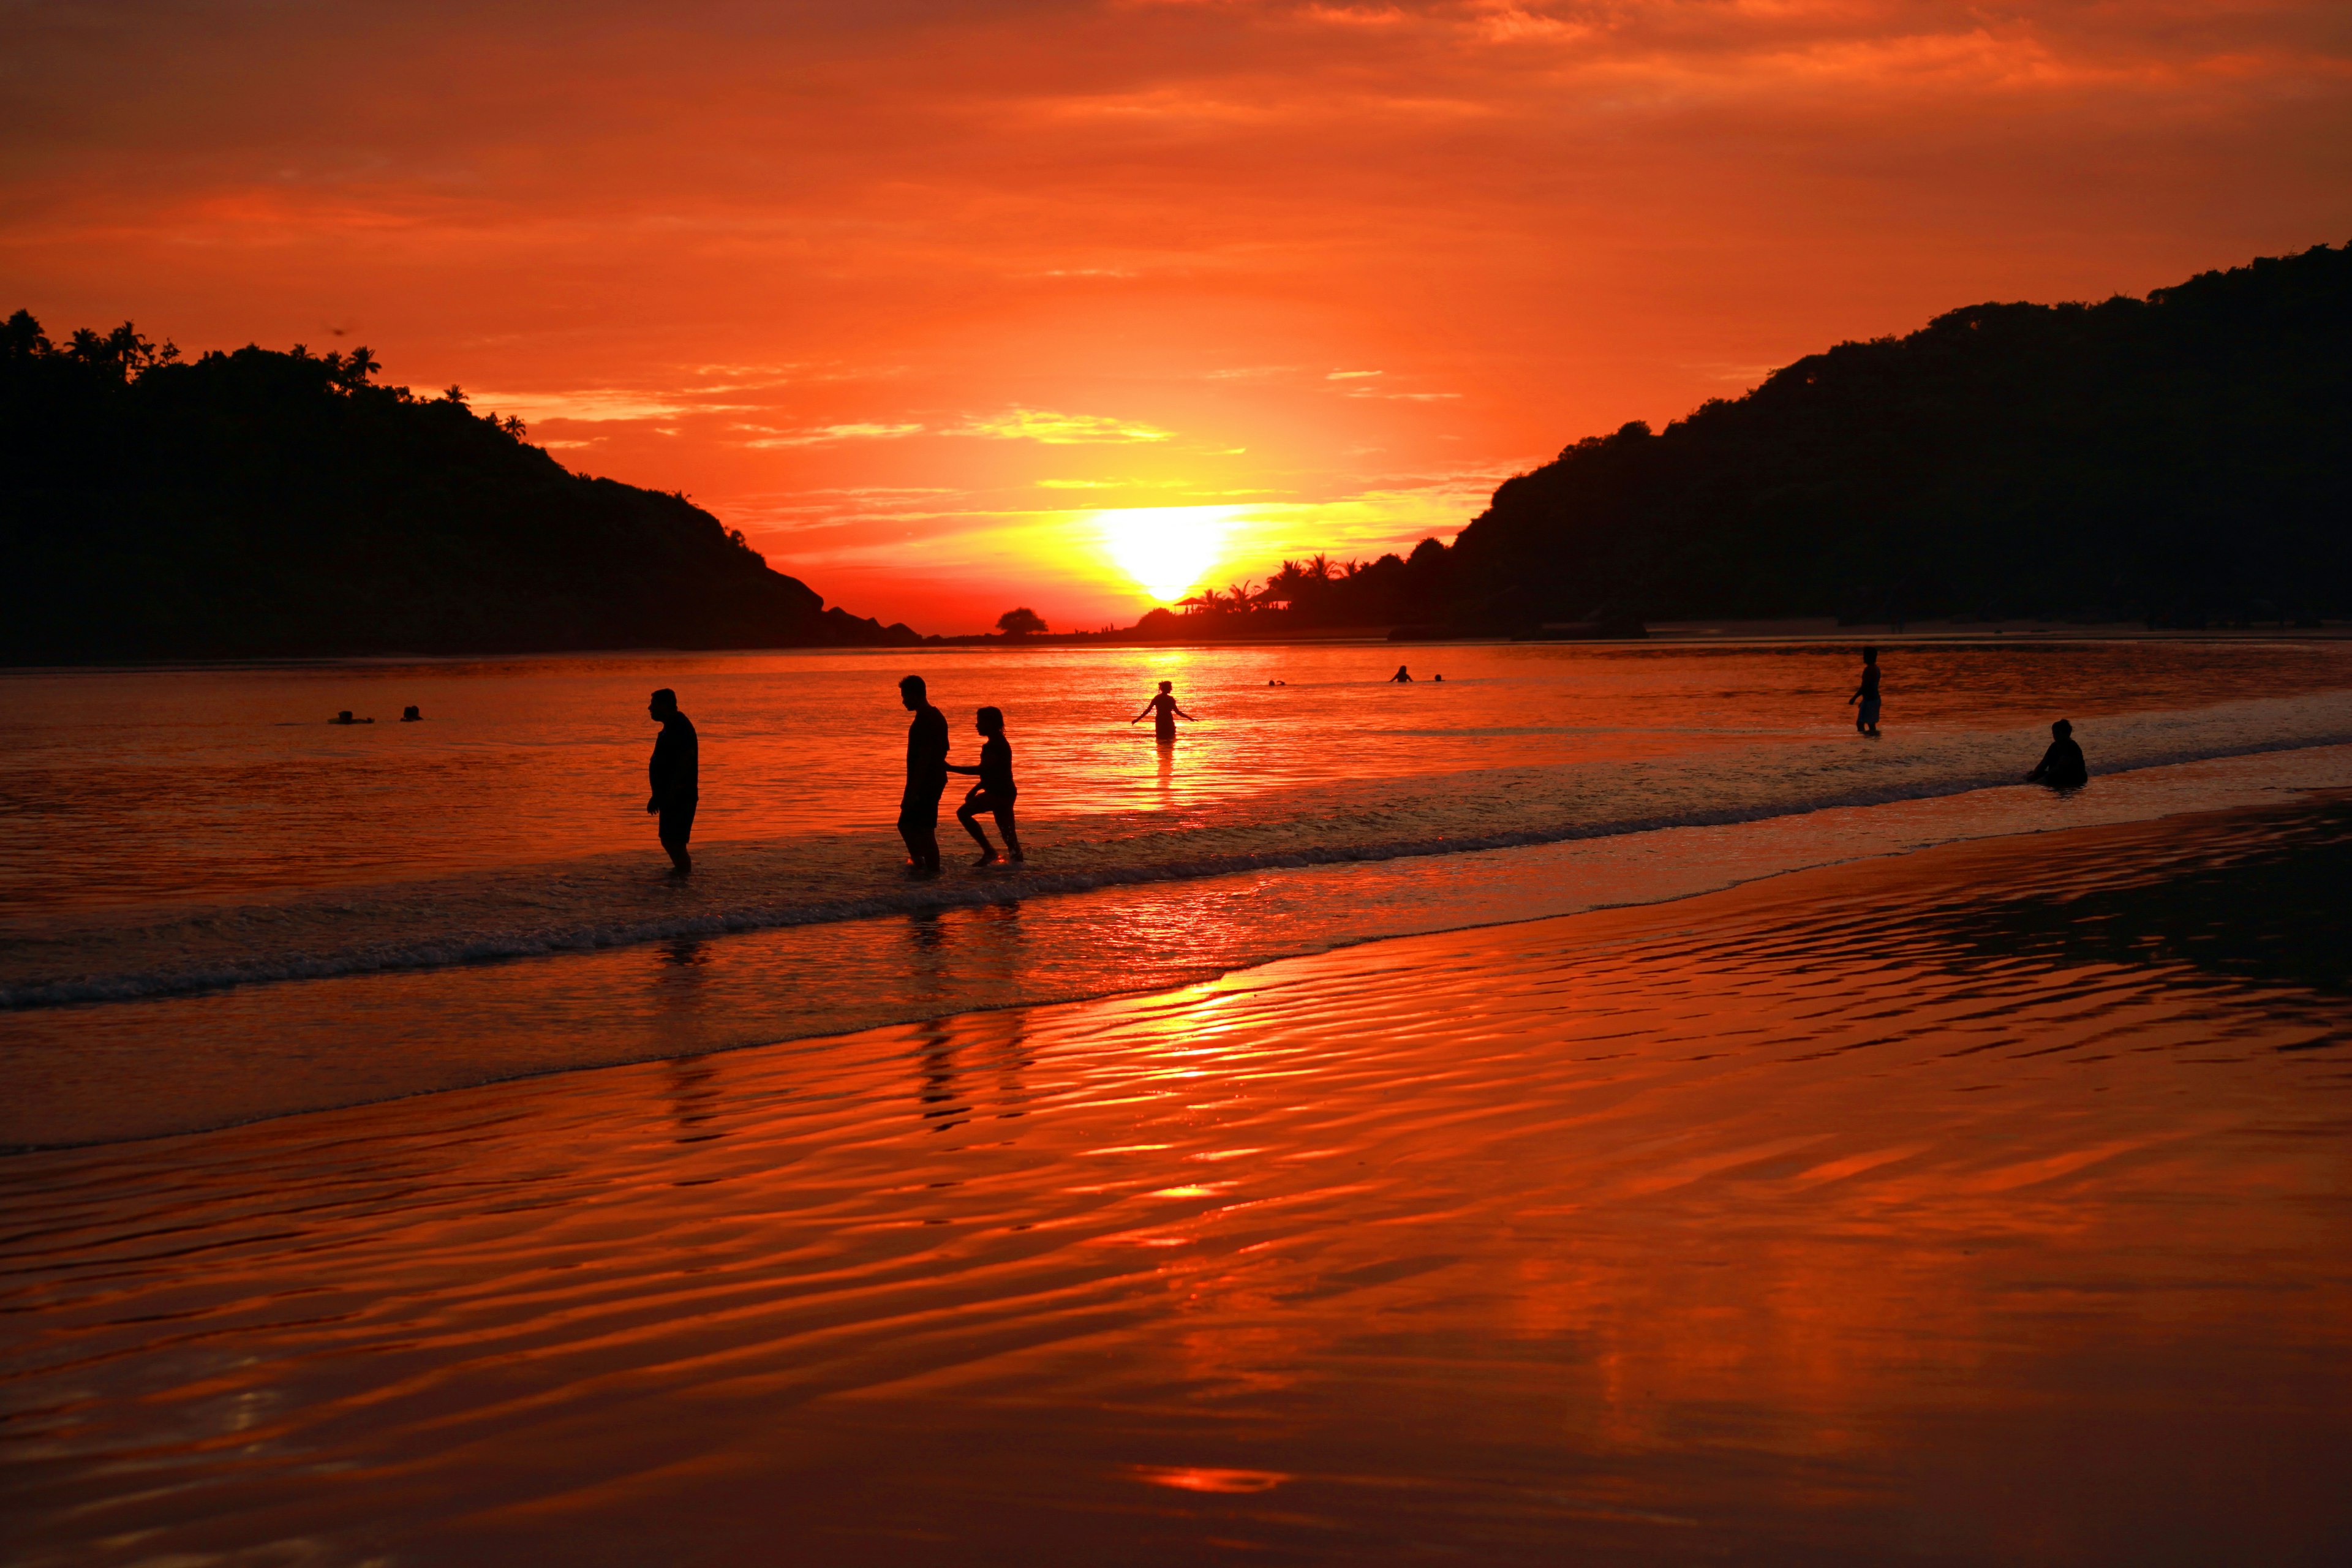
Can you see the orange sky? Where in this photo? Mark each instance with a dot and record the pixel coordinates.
(911, 292)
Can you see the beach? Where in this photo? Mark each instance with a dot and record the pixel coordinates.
(1985, 1201)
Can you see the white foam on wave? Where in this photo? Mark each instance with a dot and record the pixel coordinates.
(587, 906)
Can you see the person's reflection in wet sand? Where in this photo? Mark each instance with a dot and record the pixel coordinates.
(2062, 766)
(678, 997)
(941, 1103)
(693, 1098)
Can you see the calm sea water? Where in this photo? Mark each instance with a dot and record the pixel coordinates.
(214, 904)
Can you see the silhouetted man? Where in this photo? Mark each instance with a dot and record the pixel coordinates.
(2062, 766)
(675, 776)
(1866, 716)
(927, 777)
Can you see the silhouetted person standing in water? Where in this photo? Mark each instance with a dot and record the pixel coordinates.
(675, 776)
(1865, 718)
(1403, 676)
(927, 777)
(1164, 714)
(2062, 766)
(994, 791)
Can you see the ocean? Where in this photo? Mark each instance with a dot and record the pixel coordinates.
(216, 906)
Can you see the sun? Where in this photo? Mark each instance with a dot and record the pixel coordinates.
(1167, 550)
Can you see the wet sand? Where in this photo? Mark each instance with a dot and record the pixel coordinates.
(1989, 1203)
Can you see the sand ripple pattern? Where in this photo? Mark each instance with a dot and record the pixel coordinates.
(1769, 1216)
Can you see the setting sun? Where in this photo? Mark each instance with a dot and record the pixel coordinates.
(1166, 548)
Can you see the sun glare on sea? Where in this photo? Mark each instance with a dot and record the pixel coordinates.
(1167, 550)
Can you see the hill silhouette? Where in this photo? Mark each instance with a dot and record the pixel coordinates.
(259, 503)
(2181, 458)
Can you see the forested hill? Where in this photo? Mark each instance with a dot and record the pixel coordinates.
(2183, 457)
(258, 504)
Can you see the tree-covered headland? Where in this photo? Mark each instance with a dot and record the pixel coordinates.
(258, 503)
(2183, 459)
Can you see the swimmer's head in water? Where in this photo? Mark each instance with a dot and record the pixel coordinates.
(989, 720)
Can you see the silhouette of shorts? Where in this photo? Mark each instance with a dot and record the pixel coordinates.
(1869, 710)
(980, 800)
(920, 806)
(678, 823)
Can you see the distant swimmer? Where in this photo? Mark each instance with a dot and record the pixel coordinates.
(927, 777)
(409, 715)
(995, 790)
(1163, 713)
(1437, 678)
(674, 774)
(2062, 766)
(345, 718)
(1865, 718)
(1401, 676)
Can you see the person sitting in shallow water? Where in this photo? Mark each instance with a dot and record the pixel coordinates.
(409, 715)
(2062, 766)
(345, 718)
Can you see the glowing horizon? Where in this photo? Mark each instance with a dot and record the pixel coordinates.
(1166, 551)
(909, 297)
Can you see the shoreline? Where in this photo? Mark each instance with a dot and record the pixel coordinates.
(295, 1047)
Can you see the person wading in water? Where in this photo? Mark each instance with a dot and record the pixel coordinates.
(1163, 712)
(994, 791)
(673, 773)
(927, 778)
(1865, 718)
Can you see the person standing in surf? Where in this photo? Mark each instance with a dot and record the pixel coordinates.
(994, 793)
(1163, 712)
(927, 777)
(674, 774)
(1865, 718)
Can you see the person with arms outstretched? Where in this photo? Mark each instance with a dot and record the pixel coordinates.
(995, 790)
(1163, 712)
(2062, 766)
(674, 774)
(927, 777)
(1865, 718)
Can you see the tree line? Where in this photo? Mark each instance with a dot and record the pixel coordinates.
(259, 502)
(2184, 459)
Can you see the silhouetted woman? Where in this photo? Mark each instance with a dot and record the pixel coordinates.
(1865, 718)
(1163, 712)
(2062, 766)
(995, 790)
(1401, 676)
